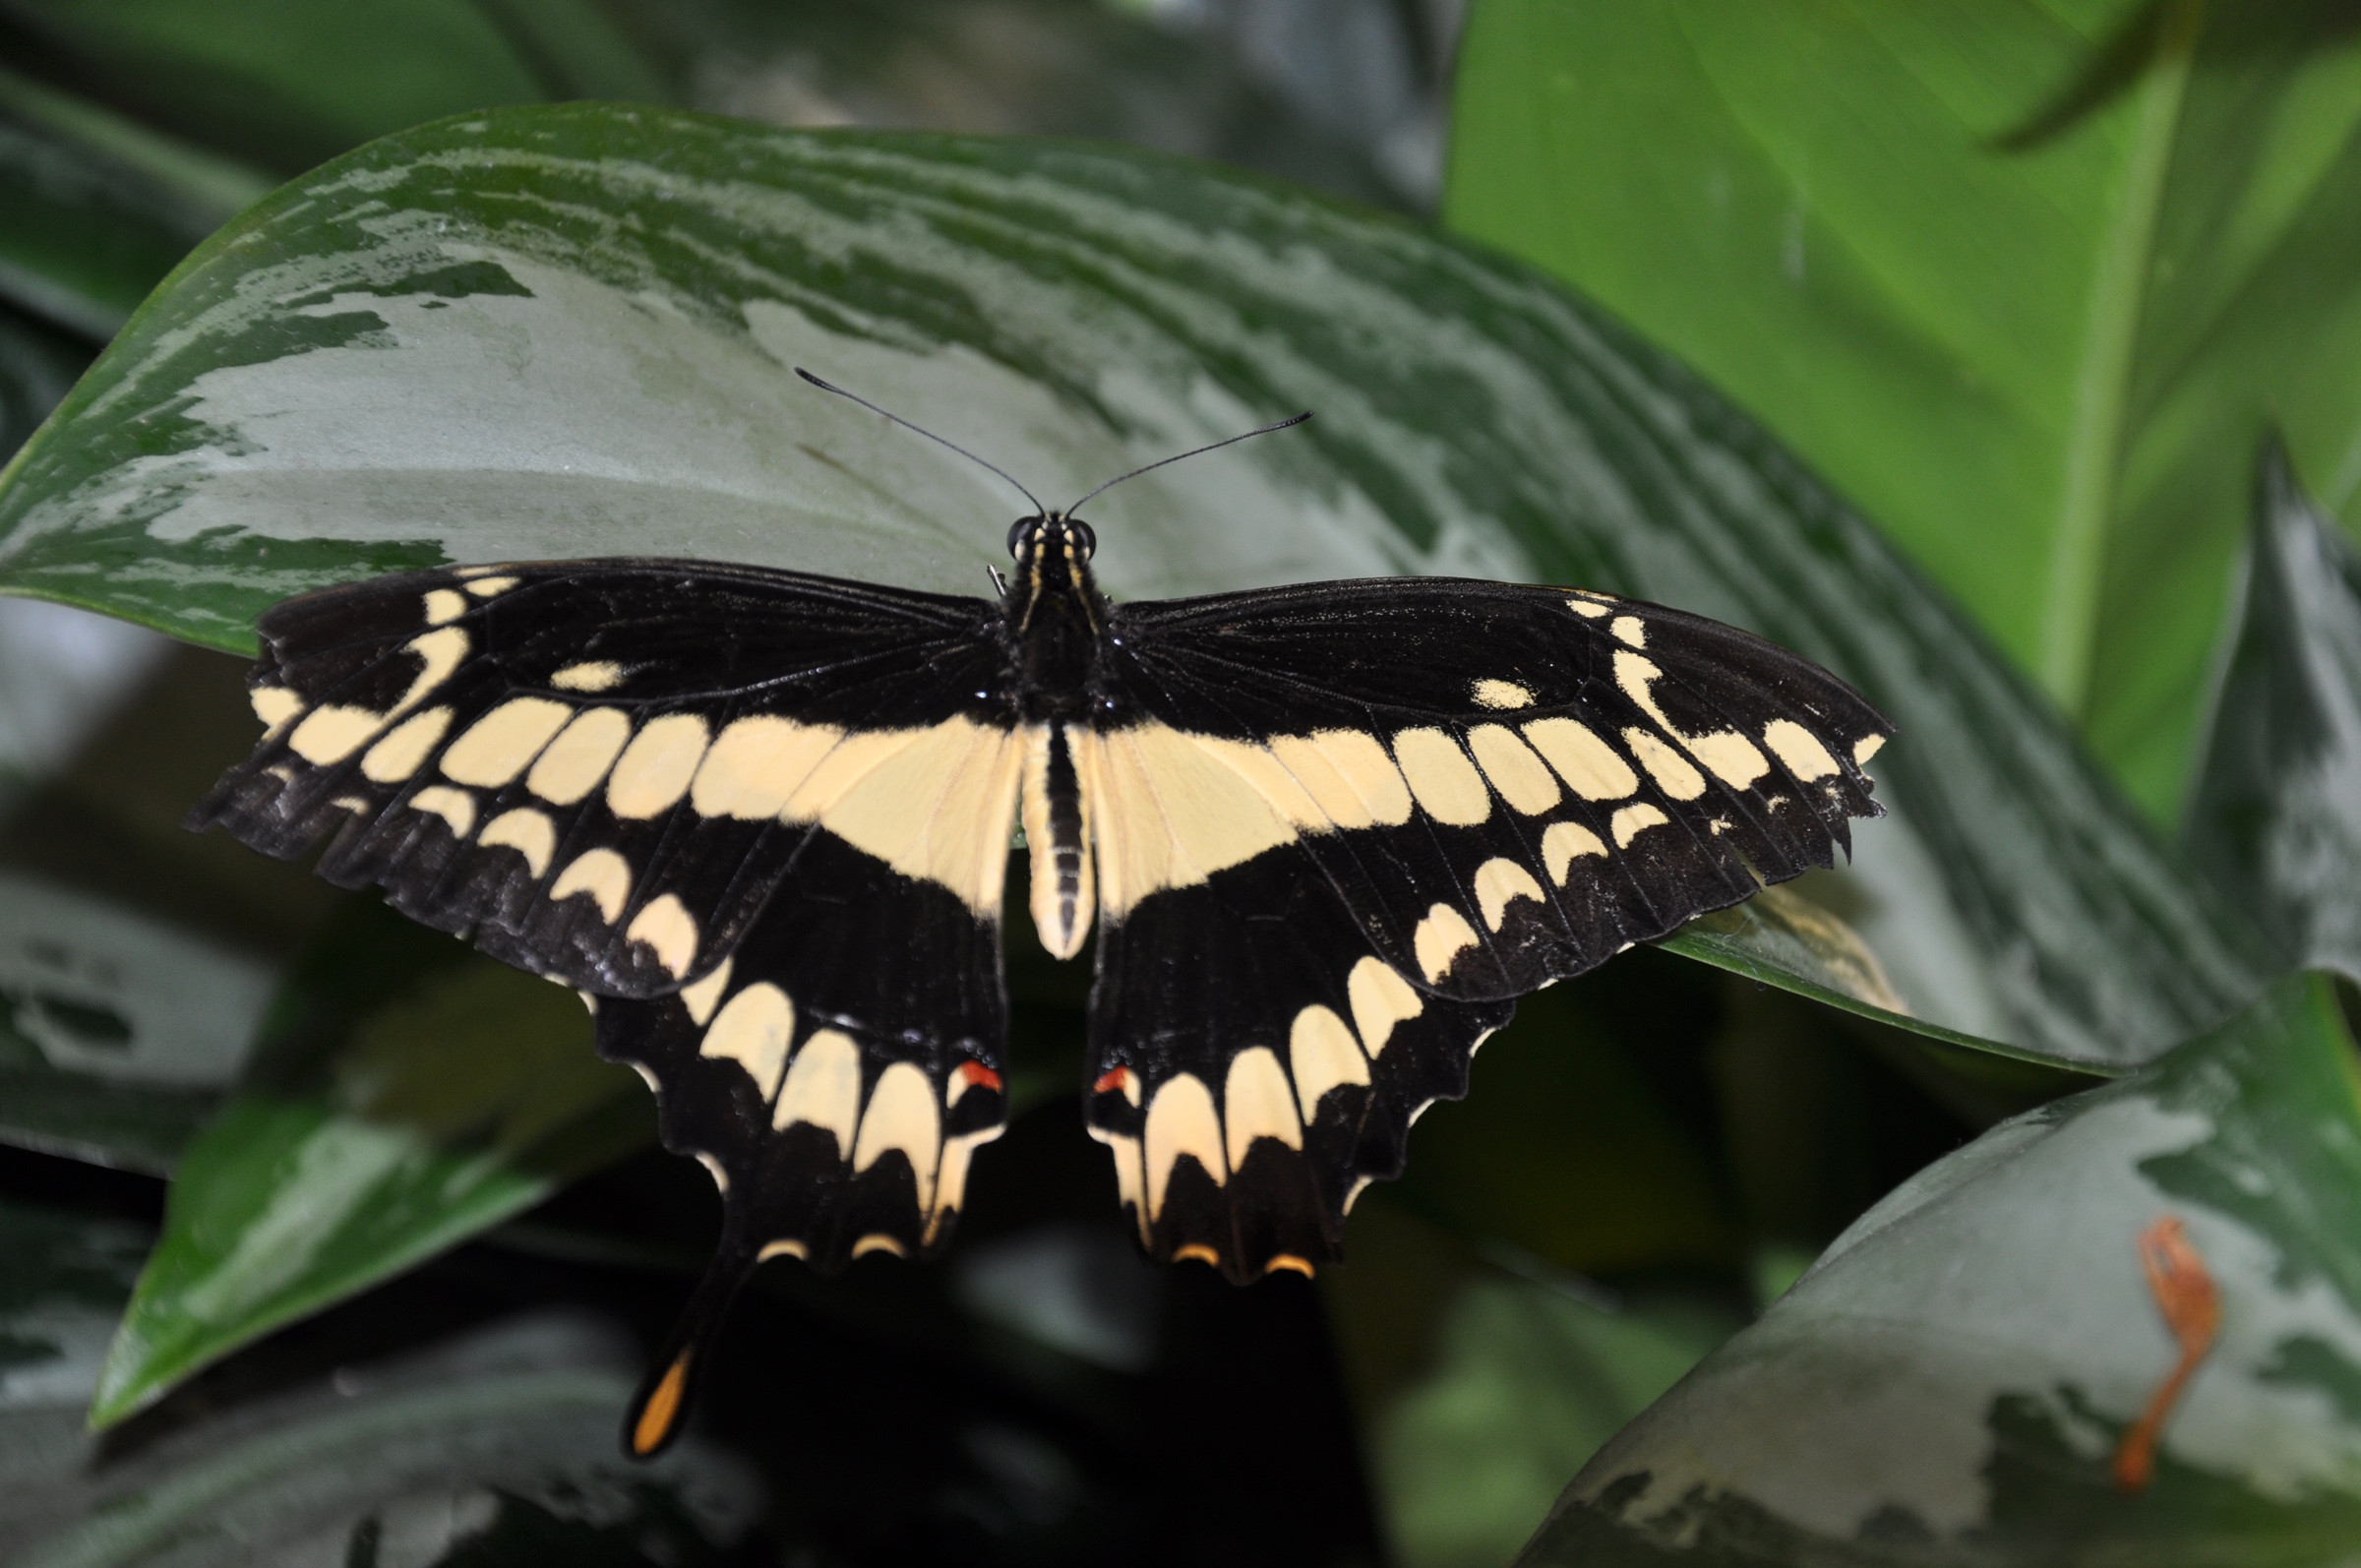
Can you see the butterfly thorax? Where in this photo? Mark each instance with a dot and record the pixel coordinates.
(1055, 617)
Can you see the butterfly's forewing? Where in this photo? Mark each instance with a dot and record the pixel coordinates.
(599, 771)
(1406, 804)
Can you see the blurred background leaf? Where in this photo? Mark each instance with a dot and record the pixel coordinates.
(2027, 283)
(2276, 817)
(416, 1093)
(1956, 1378)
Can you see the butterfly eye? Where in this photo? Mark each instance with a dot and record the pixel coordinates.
(1017, 531)
(1084, 539)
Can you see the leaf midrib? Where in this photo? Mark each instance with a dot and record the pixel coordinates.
(2093, 458)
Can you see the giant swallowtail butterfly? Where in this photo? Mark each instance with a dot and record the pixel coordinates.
(1328, 834)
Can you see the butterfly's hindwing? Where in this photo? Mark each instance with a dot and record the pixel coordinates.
(599, 771)
(838, 1070)
(1255, 1063)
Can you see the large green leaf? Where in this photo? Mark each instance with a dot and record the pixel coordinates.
(38, 363)
(2276, 812)
(98, 208)
(420, 1094)
(1954, 1380)
(286, 83)
(554, 331)
(494, 1446)
(2024, 279)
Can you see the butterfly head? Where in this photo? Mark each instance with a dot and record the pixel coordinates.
(1054, 537)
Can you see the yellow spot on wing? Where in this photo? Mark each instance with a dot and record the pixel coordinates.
(495, 748)
(603, 875)
(783, 1248)
(1288, 1261)
(1446, 783)
(950, 1180)
(596, 675)
(439, 653)
(1672, 772)
(1499, 883)
(1257, 1102)
(902, 1114)
(1593, 770)
(1588, 609)
(1800, 748)
(1631, 820)
(455, 807)
(756, 763)
(332, 733)
(670, 932)
(1563, 844)
(573, 763)
(822, 1088)
(1182, 1122)
(273, 704)
(1440, 938)
(1323, 1056)
(526, 830)
(1629, 632)
(1380, 998)
(655, 770)
(700, 998)
(880, 1242)
(1501, 695)
(1866, 747)
(1348, 775)
(445, 604)
(398, 755)
(1521, 777)
(486, 587)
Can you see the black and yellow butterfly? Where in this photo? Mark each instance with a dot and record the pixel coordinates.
(1328, 834)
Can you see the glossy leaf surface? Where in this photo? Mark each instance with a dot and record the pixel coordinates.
(1961, 1377)
(2276, 813)
(2026, 281)
(554, 331)
(422, 1094)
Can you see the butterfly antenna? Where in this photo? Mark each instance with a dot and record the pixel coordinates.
(929, 434)
(1192, 453)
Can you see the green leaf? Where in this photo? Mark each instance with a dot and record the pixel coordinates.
(2276, 817)
(2023, 280)
(425, 1093)
(285, 83)
(99, 208)
(38, 363)
(1480, 1386)
(494, 1446)
(567, 330)
(1950, 1383)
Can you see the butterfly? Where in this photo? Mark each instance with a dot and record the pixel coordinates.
(1326, 835)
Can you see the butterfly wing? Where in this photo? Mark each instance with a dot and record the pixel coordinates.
(835, 1073)
(599, 771)
(762, 817)
(1420, 800)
